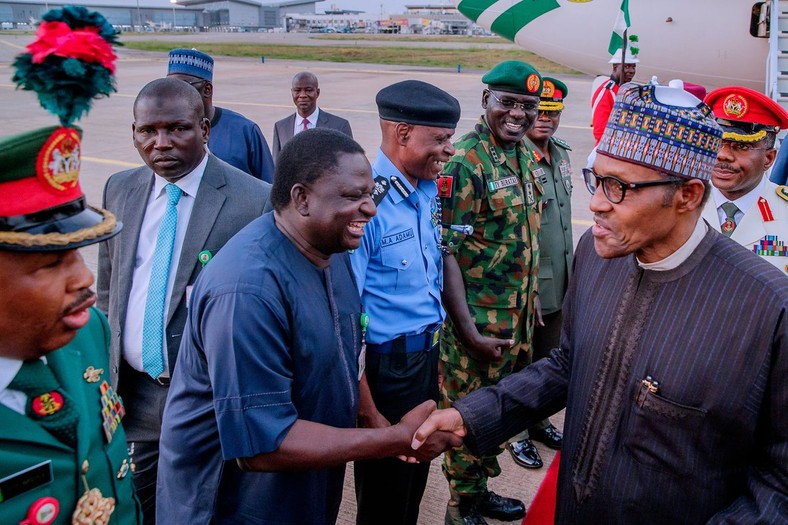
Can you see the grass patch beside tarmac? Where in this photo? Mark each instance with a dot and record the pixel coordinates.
(408, 56)
(412, 38)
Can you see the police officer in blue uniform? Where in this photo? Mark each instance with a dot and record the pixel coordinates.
(398, 270)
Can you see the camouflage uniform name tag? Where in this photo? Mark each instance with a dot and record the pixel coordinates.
(540, 175)
(505, 182)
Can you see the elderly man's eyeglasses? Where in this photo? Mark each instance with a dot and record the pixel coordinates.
(551, 113)
(196, 83)
(739, 147)
(510, 104)
(616, 189)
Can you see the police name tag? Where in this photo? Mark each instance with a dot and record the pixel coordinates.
(505, 182)
(25, 480)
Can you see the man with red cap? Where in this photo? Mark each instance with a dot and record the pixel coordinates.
(63, 452)
(745, 205)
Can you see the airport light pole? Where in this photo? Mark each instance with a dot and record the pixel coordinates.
(173, 2)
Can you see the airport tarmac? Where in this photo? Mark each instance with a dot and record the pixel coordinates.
(261, 91)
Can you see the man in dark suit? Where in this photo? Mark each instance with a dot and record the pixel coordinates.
(179, 210)
(307, 116)
(672, 361)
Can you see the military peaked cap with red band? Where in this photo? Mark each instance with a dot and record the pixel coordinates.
(42, 207)
(553, 94)
(745, 114)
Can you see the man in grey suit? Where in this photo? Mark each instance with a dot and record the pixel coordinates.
(305, 91)
(178, 211)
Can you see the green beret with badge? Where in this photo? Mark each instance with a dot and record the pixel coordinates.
(514, 76)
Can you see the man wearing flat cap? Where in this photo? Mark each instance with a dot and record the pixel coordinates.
(399, 272)
(675, 395)
(745, 205)
(63, 452)
(234, 138)
(490, 202)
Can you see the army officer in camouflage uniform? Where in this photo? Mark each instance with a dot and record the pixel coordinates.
(491, 224)
(555, 237)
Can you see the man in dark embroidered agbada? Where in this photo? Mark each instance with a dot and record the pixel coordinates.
(675, 396)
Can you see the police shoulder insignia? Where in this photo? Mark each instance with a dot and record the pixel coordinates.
(562, 143)
(400, 187)
(782, 191)
(381, 189)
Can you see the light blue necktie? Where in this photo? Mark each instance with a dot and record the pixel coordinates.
(153, 324)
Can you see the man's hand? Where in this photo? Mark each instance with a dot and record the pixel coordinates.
(538, 308)
(487, 349)
(440, 421)
(436, 443)
(372, 419)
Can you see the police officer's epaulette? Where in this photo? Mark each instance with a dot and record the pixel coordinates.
(562, 143)
(381, 189)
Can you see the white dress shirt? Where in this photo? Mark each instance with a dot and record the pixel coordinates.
(298, 125)
(143, 261)
(13, 399)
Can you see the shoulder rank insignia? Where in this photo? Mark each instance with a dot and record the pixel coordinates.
(766, 211)
(400, 187)
(381, 189)
(782, 191)
(445, 185)
(562, 143)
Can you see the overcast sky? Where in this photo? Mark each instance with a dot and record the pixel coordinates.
(373, 6)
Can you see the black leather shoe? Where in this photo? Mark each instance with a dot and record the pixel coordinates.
(500, 508)
(525, 454)
(550, 436)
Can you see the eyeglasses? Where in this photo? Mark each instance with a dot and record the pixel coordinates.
(739, 147)
(510, 104)
(195, 82)
(552, 113)
(616, 189)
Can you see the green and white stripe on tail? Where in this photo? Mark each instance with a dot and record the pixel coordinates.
(505, 17)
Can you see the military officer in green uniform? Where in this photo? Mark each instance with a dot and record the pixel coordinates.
(491, 203)
(554, 171)
(63, 456)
